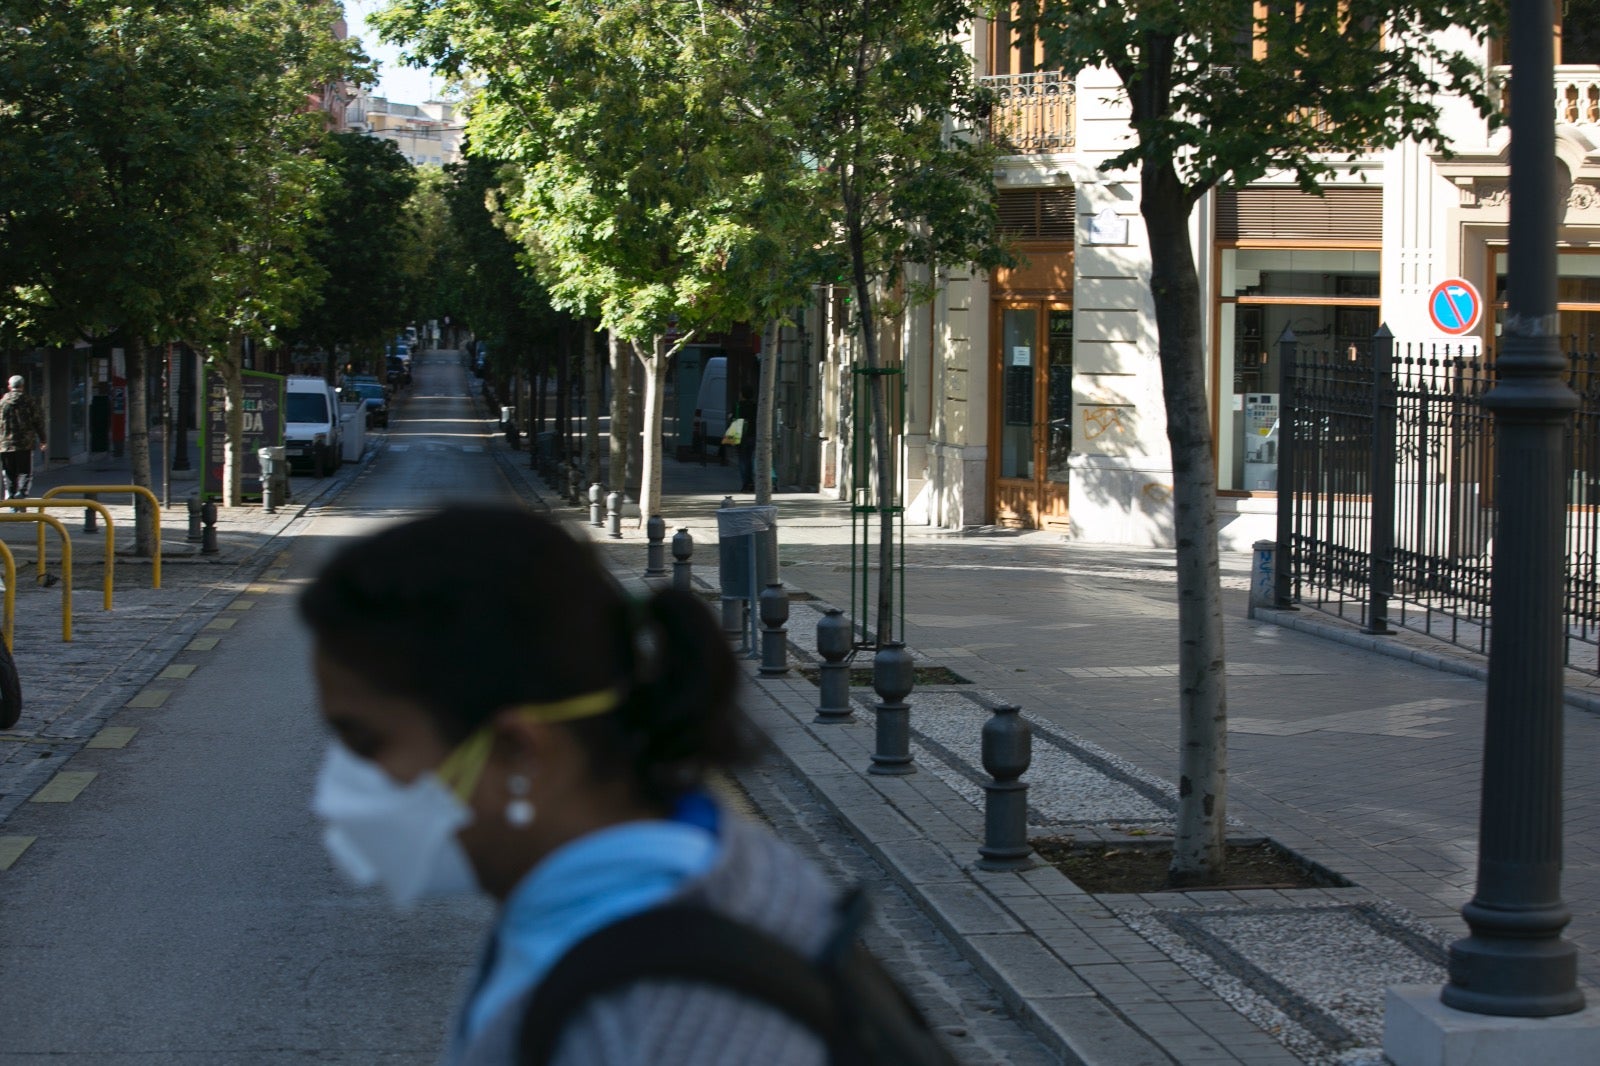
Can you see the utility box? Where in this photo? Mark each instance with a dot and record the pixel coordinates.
(353, 431)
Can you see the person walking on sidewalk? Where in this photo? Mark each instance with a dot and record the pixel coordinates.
(22, 429)
(555, 759)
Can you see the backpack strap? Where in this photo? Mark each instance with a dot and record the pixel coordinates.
(678, 942)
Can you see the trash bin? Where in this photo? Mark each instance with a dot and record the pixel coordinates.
(747, 557)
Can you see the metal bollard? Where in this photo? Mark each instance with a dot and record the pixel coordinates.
(597, 508)
(269, 481)
(193, 503)
(574, 484)
(833, 686)
(208, 535)
(614, 515)
(733, 607)
(682, 550)
(1007, 753)
(655, 549)
(774, 605)
(90, 522)
(892, 679)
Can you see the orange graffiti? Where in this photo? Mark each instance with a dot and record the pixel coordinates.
(1099, 420)
(1156, 492)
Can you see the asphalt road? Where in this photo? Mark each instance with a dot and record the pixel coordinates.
(180, 909)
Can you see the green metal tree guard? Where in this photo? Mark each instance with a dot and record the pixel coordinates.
(867, 526)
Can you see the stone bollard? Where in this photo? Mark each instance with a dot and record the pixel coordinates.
(774, 605)
(1263, 577)
(574, 485)
(655, 548)
(614, 515)
(208, 534)
(193, 503)
(833, 684)
(597, 507)
(682, 551)
(892, 679)
(1007, 753)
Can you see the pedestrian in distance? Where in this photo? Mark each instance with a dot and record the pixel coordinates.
(509, 721)
(746, 411)
(22, 429)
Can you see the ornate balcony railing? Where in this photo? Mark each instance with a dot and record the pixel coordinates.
(1033, 113)
(1577, 93)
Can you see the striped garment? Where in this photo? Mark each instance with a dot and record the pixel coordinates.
(757, 879)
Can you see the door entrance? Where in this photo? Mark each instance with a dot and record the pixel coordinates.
(1031, 414)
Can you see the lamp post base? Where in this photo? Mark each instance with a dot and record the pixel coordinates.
(1419, 1030)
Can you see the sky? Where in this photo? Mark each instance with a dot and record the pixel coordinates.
(396, 82)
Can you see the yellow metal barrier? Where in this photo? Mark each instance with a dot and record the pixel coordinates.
(137, 490)
(111, 540)
(10, 623)
(66, 564)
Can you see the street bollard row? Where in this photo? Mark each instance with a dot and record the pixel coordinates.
(614, 516)
(1007, 740)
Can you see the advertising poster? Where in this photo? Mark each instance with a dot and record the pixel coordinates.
(263, 427)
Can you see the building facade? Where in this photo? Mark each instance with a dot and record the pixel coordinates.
(427, 134)
(1034, 394)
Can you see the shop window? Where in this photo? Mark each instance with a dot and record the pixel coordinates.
(1328, 297)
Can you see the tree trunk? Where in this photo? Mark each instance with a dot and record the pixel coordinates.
(564, 396)
(655, 391)
(591, 405)
(231, 367)
(1198, 855)
(766, 408)
(621, 415)
(882, 457)
(139, 446)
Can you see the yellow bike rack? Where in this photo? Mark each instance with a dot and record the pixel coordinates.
(10, 623)
(111, 552)
(66, 564)
(137, 490)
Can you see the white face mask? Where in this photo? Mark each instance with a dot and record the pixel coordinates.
(402, 836)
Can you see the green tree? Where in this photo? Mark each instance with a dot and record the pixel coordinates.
(360, 246)
(1221, 93)
(879, 94)
(122, 158)
(627, 161)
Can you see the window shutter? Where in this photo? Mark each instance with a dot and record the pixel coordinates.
(1038, 214)
(1340, 213)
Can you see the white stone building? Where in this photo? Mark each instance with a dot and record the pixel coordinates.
(1034, 395)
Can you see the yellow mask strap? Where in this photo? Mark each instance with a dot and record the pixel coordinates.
(463, 767)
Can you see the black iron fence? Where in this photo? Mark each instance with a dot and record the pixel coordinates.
(1386, 490)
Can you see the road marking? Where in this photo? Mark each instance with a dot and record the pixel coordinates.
(275, 574)
(65, 786)
(202, 644)
(222, 623)
(113, 736)
(281, 560)
(149, 699)
(257, 590)
(240, 605)
(11, 849)
(178, 671)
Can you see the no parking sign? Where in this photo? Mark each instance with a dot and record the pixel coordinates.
(1455, 306)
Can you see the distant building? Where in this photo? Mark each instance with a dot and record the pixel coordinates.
(333, 98)
(427, 134)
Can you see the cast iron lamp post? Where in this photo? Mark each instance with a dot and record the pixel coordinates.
(1514, 961)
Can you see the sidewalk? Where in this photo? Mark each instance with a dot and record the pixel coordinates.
(1362, 763)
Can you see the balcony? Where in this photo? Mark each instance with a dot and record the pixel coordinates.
(1033, 114)
(1577, 93)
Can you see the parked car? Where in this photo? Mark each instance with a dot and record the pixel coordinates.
(376, 398)
(311, 425)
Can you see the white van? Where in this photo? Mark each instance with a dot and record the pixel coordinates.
(311, 425)
(711, 415)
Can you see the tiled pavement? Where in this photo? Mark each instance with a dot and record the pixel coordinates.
(1362, 762)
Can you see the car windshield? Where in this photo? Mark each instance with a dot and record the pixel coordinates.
(307, 407)
(374, 391)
